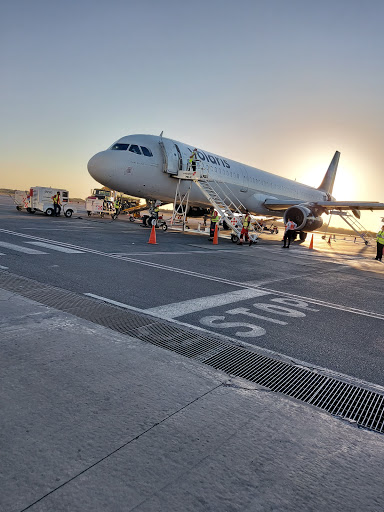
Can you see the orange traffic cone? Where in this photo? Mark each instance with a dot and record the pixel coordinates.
(216, 236)
(152, 238)
(311, 243)
(329, 240)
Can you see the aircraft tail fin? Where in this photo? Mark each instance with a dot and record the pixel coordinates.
(330, 175)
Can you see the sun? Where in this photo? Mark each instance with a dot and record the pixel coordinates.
(346, 185)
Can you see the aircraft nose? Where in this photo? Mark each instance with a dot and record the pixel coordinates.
(100, 166)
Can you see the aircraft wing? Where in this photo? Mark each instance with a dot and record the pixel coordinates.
(283, 204)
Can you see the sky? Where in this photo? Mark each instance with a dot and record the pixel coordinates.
(276, 84)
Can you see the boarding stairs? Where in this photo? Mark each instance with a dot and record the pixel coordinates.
(226, 207)
(354, 224)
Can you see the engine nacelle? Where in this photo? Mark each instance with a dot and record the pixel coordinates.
(304, 217)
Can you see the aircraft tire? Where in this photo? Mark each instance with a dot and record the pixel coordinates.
(303, 236)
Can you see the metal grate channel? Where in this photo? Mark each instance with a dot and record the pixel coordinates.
(339, 398)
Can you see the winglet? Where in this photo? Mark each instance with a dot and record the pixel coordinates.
(330, 175)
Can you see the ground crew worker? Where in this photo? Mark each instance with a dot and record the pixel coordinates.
(380, 244)
(56, 204)
(244, 229)
(117, 205)
(192, 161)
(155, 212)
(290, 228)
(214, 221)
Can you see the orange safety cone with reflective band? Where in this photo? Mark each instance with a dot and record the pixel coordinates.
(329, 240)
(311, 243)
(216, 236)
(152, 238)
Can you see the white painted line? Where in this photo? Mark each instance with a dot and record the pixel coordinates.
(2, 254)
(246, 285)
(167, 253)
(20, 248)
(202, 303)
(59, 229)
(3, 268)
(176, 322)
(56, 247)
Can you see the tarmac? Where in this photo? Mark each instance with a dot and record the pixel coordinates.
(94, 420)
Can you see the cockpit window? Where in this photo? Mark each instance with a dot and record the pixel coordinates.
(120, 147)
(135, 149)
(146, 151)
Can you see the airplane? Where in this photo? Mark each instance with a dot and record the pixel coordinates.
(146, 166)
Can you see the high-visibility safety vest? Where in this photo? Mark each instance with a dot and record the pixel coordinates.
(192, 157)
(380, 237)
(56, 199)
(116, 204)
(156, 210)
(215, 218)
(246, 222)
(290, 225)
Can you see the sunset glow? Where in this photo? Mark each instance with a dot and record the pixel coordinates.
(277, 85)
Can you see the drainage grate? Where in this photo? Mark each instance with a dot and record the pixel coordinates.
(339, 398)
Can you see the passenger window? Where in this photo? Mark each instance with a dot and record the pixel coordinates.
(146, 151)
(120, 147)
(135, 149)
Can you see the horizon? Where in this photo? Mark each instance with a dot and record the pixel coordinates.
(275, 85)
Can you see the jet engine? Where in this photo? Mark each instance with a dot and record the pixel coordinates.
(304, 217)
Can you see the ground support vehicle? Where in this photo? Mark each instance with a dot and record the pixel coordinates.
(21, 199)
(132, 211)
(150, 221)
(39, 199)
(95, 206)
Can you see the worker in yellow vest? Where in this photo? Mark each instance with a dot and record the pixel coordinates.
(56, 204)
(244, 230)
(155, 213)
(214, 221)
(192, 161)
(380, 244)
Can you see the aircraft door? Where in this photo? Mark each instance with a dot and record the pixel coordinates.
(244, 179)
(171, 156)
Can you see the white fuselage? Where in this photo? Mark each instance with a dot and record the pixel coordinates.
(150, 177)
